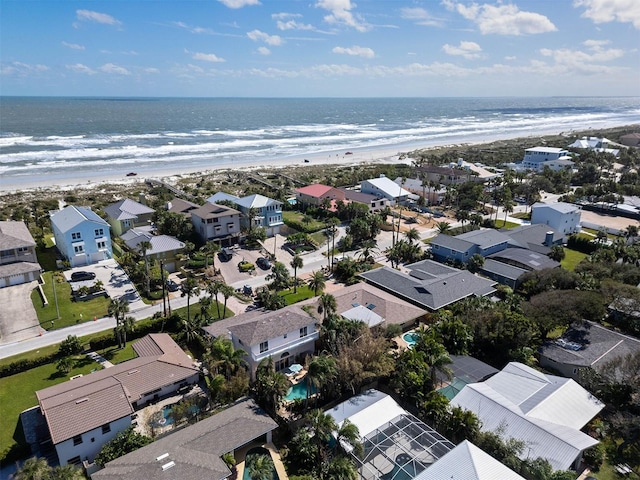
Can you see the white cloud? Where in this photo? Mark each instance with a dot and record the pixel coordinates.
(421, 17)
(286, 21)
(581, 60)
(258, 36)
(467, 50)
(80, 68)
(510, 58)
(73, 46)
(114, 69)
(194, 29)
(239, 3)
(356, 51)
(605, 11)
(264, 51)
(22, 69)
(206, 57)
(341, 14)
(151, 70)
(97, 17)
(502, 19)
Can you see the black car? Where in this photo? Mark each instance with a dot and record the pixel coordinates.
(225, 254)
(80, 276)
(263, 263)
(172, 286)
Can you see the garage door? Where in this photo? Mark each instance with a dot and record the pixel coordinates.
(3, 282)
(16, 279)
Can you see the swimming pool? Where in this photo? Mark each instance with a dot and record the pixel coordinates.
(299, 390)
(411, 338)
(251, 456)
(167, 419)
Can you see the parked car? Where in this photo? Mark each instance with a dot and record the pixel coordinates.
(80, 276)
(263, 263)
(225, 254)
(172, 286)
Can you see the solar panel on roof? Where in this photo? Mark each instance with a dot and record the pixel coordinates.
(371, 306)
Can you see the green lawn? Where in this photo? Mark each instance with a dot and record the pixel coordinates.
(503, 224)
(303, 293)
(47, 256)
(70, 312)
(17, 393)
(522, 215)
(571, 259)
(195, 309)
(118, 355)
(291, 217)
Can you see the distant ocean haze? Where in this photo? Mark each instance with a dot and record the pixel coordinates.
(69, 137)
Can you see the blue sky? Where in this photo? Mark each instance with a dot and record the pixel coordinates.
(320, 48)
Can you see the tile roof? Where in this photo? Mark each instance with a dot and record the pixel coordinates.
(196, 450)
(71, 216)
(126, 209)
(14, 235)
(271, 325)
(109, 393)
(598, 345)
(544, 411)
(316, 190)
(430, 284)
(213, 210)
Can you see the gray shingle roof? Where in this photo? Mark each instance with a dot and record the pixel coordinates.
(222, 196)
(195, 450)
(532, 237)
(213, 210)
(126, 209)
(15, 235)
(484, 238)
(18, 268)
(430, 284)
(524, 258)
(503, 269)
(599, 345)
(71, 216)
(454, 243)
(178, 205)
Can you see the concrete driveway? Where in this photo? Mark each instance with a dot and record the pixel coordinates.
(115, 280)
(18, 319)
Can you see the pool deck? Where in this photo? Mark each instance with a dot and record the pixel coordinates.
(297, 377)
(275, 456)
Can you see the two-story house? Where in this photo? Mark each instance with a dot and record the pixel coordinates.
(462, 247)
(315, 195)
(164, 248)
(126, 214)
(216, 222)
(18, 261)
(286, 335)
(561, 217)
(81, 236)
(83, 414)
(257, 211)
(537, 157)
(387, 188)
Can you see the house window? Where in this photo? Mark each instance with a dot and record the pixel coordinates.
(78, 249)
(264, 346)
(303, 332)
(230, 226)
(77, 440)
(74, 461)
(101, 245)
(99, 232)
(76, 236)
(216, 220)
(106, 428)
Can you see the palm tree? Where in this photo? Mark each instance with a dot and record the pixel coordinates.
(321, 426)
(222, 357)
(348, 433)
(226, 291)
(190, 288)
(260, 467)
(296, 263)
(143, 248)
(328, 305)
(443, 227)
(210, 249)
(320, 371)
(332, 228)
(118, 308)
(128, 325)
(270, 386)
(436, 356)
(368, 250)
(412, 235)
(316, 282)
(213, 288)
(35, 468)
(340, 467)
(67, 472)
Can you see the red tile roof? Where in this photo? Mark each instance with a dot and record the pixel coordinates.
(316, 190)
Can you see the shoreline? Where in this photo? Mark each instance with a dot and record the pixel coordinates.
(358, 156)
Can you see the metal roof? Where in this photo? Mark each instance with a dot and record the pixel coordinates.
(222, 196)
(71, 216)
(561, 207)
(388, 186)
(524, 258)
(159, 243)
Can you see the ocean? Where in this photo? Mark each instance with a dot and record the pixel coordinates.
(58, 138)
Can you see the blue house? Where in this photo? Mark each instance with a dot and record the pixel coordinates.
(266, 212)
(82, 237)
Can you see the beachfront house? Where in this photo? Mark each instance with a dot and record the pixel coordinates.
(164, 248)
(126, 214)
(561, 217)
(81, 236)
(196, 452)
(257, 210)
(83, 414)
(537, 158)
(386, 188)
(287, 335)
(317, 194)
(545, 412)
(18, 261)
(373, 202)
(600, 145)
(183, 207)
(216, 222)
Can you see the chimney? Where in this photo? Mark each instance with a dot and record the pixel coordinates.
(548, 239)
(169, 205)
(142, 199)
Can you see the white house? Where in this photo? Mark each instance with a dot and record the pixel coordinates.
(267, 212)
(596, 144)
(82, 237)
(385, 187)
(561, 217)
(286, 335)
(546, 412)
(83, 414)
(537, 157)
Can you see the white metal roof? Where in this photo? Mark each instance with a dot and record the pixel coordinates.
(468, 462)
(367, 411)
(389, 187)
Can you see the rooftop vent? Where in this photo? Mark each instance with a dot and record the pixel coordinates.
(131, 372)
(82, 400)
(162, 457)
(167, 466)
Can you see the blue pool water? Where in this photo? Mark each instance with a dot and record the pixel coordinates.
(299, 390)
(166, 415)
(255, 452)
(411, 338)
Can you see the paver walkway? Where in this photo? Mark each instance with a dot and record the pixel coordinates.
(100, 359)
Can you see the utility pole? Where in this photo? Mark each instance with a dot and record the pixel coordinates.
(55, 295)
(164, 297)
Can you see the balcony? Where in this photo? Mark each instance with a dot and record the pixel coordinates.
(295, 343)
